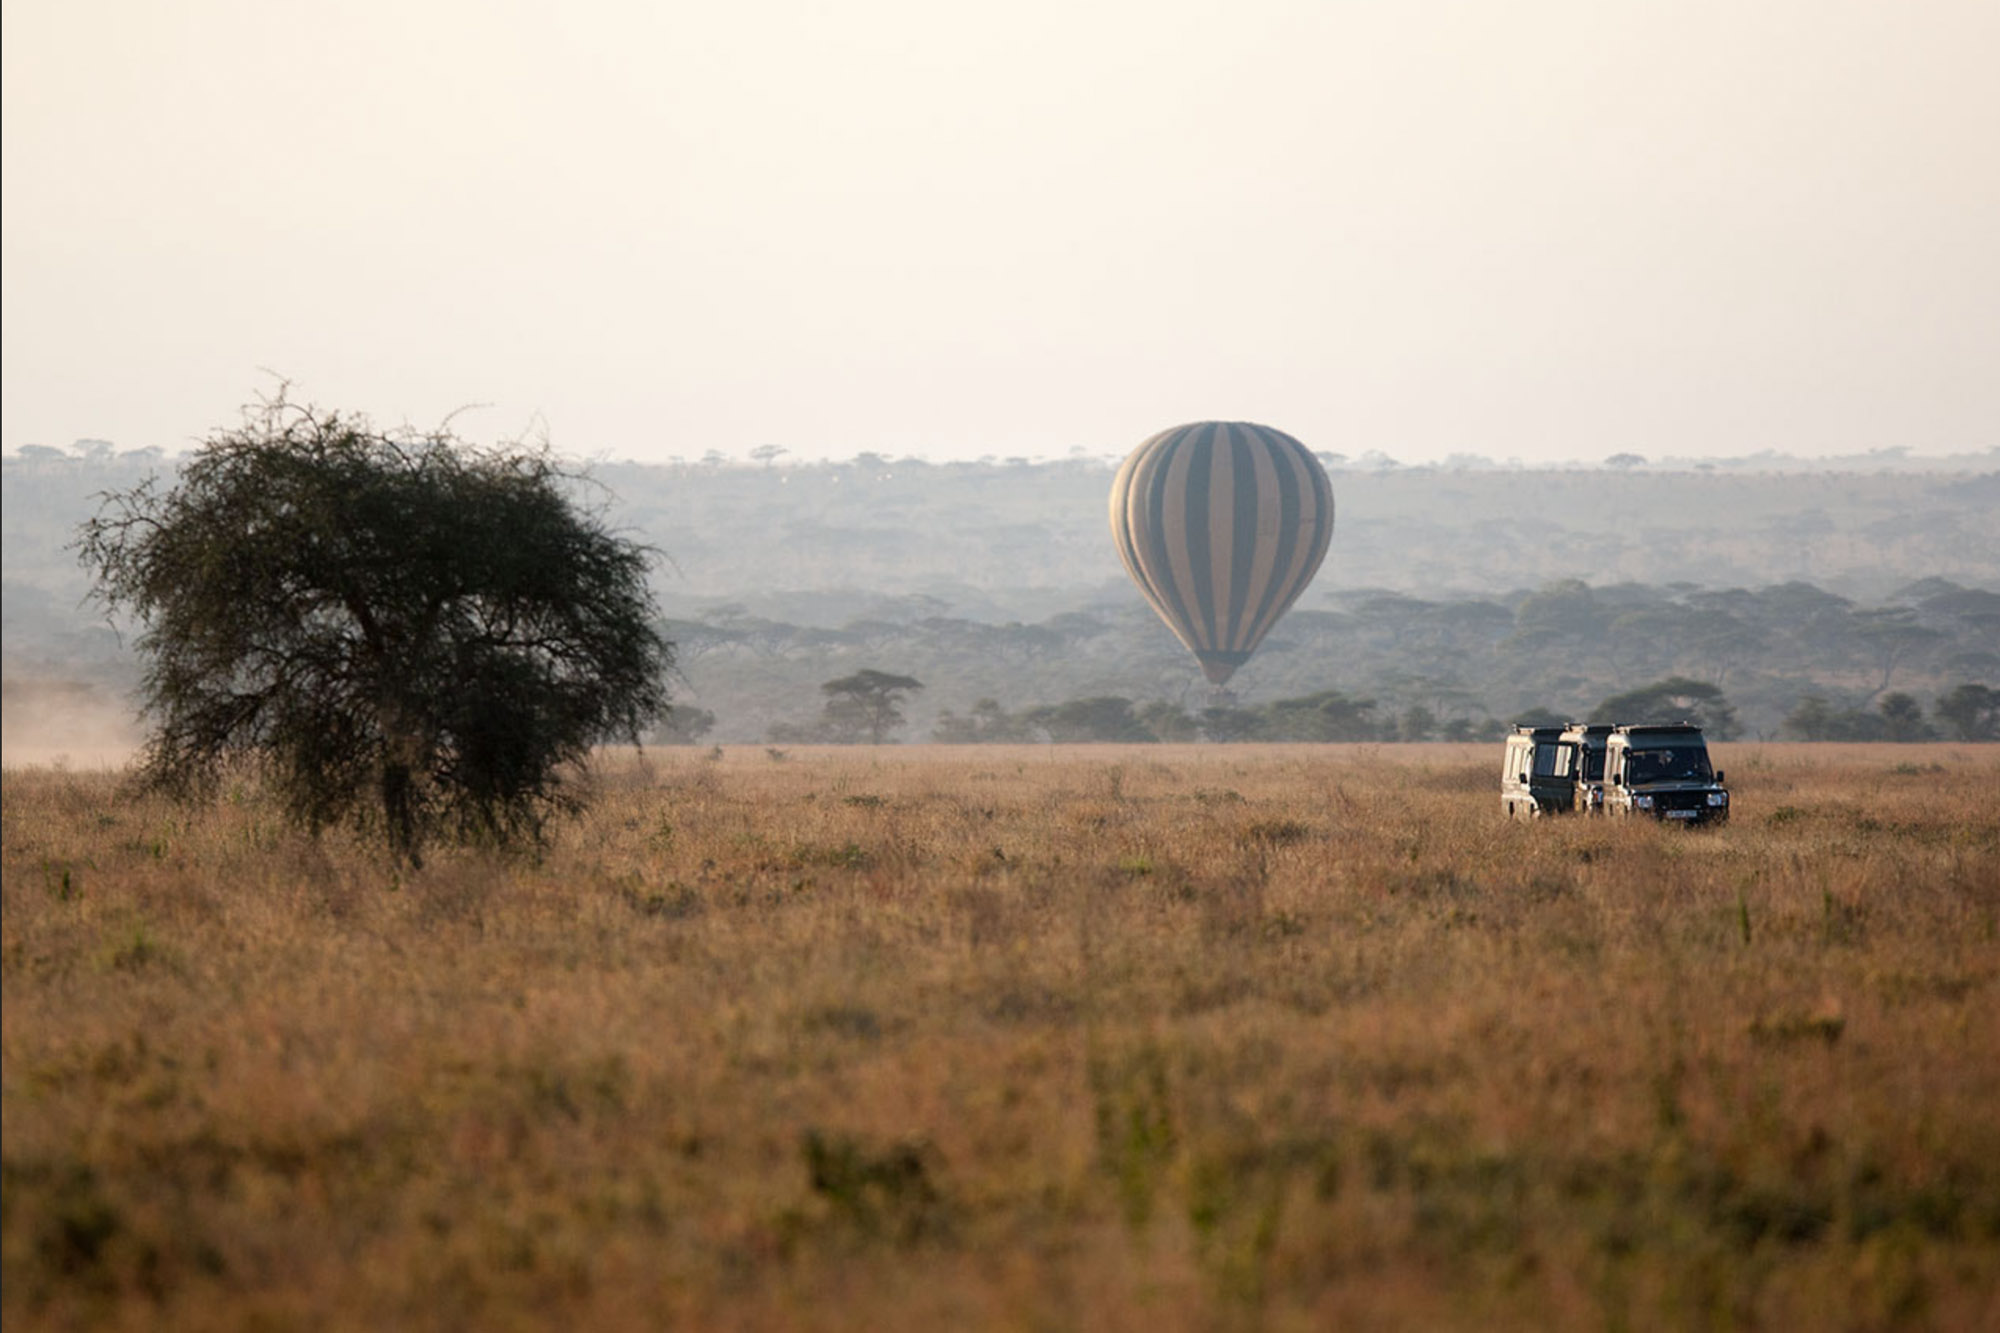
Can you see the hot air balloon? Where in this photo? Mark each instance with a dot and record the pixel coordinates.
(1222, 524)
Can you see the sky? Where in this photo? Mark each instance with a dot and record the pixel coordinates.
(1542, 230)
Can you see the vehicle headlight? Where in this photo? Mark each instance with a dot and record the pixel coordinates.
(1718, 798)
(1643, 802)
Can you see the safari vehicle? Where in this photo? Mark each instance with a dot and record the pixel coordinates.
(1582, 761)
(1662, 772)
(1532, 779)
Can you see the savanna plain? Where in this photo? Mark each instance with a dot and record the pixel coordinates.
(1015, 1037)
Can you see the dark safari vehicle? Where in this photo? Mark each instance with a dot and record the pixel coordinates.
(1534, 781)
(1662, 772)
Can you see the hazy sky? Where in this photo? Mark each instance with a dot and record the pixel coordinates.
(1543, 229)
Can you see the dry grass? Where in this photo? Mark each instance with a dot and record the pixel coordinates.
(1160, 1038)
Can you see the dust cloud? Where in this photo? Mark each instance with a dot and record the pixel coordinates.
(47, 722)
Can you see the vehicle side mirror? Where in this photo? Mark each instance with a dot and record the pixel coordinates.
(1720, 777)
(1523, 779)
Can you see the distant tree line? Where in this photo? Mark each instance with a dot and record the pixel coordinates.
(865, 708)
(997, 581)
(1324, 716)
(1740, 661)
(1970, 712)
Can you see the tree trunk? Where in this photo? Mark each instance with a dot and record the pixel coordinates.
(399, 811)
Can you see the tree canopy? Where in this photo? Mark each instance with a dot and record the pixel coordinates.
(1676, 699)
(1972, 712)
(1102, 718)
(867, 703)
(405, 631)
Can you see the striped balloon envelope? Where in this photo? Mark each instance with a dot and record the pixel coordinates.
(1222, 524)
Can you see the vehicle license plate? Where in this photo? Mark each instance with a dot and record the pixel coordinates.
(1683, 814)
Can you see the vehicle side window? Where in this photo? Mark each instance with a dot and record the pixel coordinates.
(1545, 760)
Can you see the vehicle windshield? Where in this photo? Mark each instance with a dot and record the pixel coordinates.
(1680, 763)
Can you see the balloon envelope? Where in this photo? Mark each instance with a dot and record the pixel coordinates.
(1222, 524)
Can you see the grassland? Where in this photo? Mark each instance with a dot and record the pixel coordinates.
(1155, 1038)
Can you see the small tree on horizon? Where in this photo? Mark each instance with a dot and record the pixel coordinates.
(1101, 718)
(867, 703)
(1813, 719)
(1169, 721)
(1903, 718)
(1328, 715)
(1538, 717)
(1225, 724)
(1675, 699)
(1418, 723)
(987, 724)
(1971, 712)
(683, 725)
(402, 631)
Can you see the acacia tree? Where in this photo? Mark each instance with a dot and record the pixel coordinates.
(1972, 711)
(1675, 699)
(1102, 718)
(868, 702)
(404, 631)
(1326, 716)
(1903, 718)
